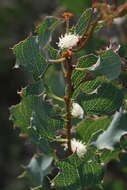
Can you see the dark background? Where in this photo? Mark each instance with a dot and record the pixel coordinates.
(17, 20)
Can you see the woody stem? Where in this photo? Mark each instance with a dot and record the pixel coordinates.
(68, 102)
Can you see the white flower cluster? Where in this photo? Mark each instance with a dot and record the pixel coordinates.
(68, 41)
(77, 147)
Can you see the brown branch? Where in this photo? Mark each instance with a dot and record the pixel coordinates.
(84, 43)
(67, 98)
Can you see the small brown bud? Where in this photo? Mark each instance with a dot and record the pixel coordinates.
(67, 15)
(67, 54)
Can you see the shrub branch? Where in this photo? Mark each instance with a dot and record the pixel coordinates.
(68, 102)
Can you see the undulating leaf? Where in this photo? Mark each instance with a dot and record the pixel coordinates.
(115, 131)
(29, 56)
(55, 78)
(83, 80)
(38, 168)
(45, 30)
(38, 119)
(83, 62)
(77, 174)
(87, 128)
(105, 101)
(108, 64)
(35, 88)
(88, 87)
(82, 22)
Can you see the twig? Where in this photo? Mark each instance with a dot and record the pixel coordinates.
(88, 24)
(89, 36)
(67, 98)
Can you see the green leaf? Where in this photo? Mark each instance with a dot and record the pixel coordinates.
(35, 88)
(83, 62)
(87, 131)
(22, 112)
(87, 128)
(82, 22)
(42, 135)
(38, 119)
(115, 131)
(89, 87)
(105, 101)
(108, 64)
(55, 78)
(52, 52)
(45, 30)
(29, 56)
(38, 168)
(84, 81)
(77, 174)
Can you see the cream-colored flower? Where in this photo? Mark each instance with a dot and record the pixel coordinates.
(77, 110)
(68, 41)
(77, 147)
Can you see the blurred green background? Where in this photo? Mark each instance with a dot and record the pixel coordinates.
(17, 20)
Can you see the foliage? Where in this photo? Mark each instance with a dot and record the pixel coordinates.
(60, 78)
